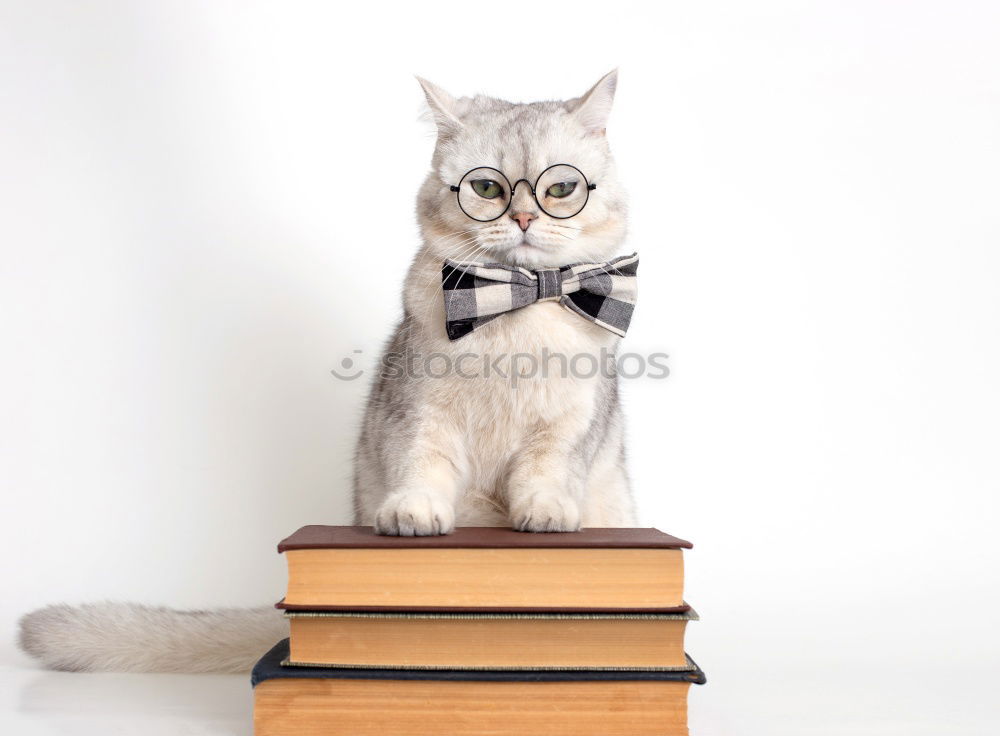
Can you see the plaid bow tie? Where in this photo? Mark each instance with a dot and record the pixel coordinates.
(475, 293)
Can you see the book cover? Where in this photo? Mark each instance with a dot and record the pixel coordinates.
(270, 667)
(480, 537)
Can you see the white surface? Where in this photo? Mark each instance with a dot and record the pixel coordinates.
(64, 704)
(191, 240)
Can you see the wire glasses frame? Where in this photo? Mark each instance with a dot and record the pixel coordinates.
(511, 188)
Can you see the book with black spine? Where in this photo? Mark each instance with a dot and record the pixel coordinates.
(302, 701)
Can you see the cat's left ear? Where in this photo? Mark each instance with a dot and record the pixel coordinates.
(594, 108)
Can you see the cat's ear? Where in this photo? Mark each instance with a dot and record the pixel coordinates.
(594, 108)
(444, 108)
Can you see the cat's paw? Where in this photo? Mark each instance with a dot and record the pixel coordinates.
(545, 511)
(414, 514)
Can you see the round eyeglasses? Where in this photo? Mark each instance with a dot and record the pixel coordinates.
(485, 193)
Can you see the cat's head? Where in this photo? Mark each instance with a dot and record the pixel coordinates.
(484, 136)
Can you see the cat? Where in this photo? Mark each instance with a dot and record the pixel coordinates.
(548, 455)
(483, 447)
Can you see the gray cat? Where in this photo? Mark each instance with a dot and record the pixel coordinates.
(496, 447)
(470, 449)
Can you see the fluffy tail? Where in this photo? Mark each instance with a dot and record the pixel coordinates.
(126, 637)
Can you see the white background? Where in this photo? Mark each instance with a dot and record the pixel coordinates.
(206, 206)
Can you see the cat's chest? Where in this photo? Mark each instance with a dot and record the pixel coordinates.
(541, 330)
(526, 367)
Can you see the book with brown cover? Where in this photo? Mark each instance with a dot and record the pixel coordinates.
(318, 536)
(484, 569)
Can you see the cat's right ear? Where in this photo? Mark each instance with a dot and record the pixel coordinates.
(594, 107)
(443, 107)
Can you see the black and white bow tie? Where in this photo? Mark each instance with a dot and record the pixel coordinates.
(475, 293)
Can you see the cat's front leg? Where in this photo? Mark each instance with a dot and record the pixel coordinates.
(419, 512)
(544, 490)
(423, 503)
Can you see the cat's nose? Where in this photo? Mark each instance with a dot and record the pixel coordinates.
(523, 219)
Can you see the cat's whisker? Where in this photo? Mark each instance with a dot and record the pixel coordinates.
(468, 231)
(601, 266)
(458, 253)
(457, 250)
(468, 254)
(461, 258)
(458, 247)
(459, 239)
(462, 241)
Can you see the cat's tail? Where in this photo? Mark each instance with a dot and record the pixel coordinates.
(127, 637)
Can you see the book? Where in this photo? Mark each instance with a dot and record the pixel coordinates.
(301, 701)
(501, 641)
(484, 568)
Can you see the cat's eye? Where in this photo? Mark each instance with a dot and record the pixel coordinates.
(487, 188)
(561, 189)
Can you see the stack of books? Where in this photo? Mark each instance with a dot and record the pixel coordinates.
(483, 631)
